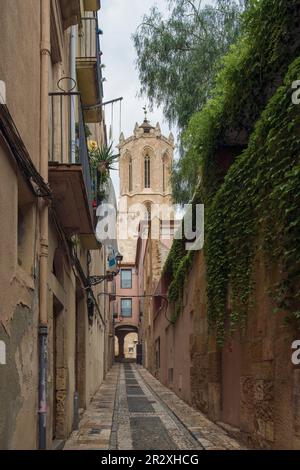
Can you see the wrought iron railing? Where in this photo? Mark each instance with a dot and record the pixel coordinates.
(68, 141)
(89, 47)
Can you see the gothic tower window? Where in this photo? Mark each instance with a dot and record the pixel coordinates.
(164, 175)
(130, 173)
(147, 171)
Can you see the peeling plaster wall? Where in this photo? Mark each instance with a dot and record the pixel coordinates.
(19, 295)
(18, 325)
(19, 310)
(18, 382)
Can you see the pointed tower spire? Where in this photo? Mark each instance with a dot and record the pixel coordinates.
(122, 138)
(157, 130)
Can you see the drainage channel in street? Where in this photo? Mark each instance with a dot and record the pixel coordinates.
(142, 421)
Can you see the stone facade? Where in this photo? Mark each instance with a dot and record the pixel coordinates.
(78, 342)
(145, 167)
(137, 195)
(146, 141)
(250, 386)
(150, 261)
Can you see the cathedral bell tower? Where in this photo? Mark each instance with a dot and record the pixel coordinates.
(145, 167)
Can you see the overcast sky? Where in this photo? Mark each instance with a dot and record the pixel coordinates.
(119, 20)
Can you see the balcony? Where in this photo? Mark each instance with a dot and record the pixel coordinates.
(69, 168)
(70, 11)
(89, 73)
(92, 5)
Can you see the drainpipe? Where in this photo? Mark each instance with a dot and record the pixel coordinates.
(73, 50)
(43, 210)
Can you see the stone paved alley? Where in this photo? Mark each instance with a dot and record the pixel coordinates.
(132, 410)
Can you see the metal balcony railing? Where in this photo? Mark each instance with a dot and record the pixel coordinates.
(89, 47)
(68, 142)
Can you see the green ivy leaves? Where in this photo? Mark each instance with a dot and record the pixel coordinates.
(255, 204)
(259, 200)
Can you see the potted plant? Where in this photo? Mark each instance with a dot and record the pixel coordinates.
(102, 160)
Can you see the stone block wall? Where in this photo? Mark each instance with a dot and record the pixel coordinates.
(261, 404)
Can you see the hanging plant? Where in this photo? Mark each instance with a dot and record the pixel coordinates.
(102, 160)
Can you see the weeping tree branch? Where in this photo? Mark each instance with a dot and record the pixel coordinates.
(178, 57)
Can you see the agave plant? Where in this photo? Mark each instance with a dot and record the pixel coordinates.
(103, 158)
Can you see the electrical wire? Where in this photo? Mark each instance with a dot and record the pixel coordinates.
(138, 296)
(112, 123)
(165, 298)
(15, 144)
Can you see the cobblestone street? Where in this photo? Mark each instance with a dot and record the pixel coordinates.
(132, 410)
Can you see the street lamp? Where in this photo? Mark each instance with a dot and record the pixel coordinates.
(119, 258)
(94, 280)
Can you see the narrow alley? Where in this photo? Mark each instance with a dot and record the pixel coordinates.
(133, 411)
(150, 228)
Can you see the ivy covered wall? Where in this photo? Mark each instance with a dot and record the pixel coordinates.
(252, 203)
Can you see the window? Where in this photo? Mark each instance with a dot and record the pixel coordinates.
(126, 307)
(126, 279)
(147, 171)
(130, 174)
(164, 176)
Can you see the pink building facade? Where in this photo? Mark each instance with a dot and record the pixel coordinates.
(126, 305)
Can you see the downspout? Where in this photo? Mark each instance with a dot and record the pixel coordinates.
(43, 209)
(73, 50)
(73, 102)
